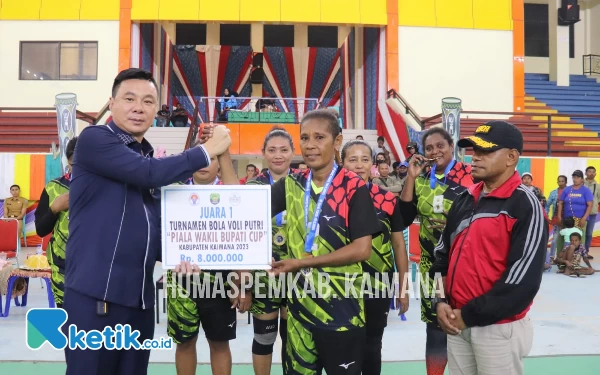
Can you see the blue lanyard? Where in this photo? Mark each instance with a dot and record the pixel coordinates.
(279, 217)
(433, 178)
(310, 238)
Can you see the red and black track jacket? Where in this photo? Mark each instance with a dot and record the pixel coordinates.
(492, 251)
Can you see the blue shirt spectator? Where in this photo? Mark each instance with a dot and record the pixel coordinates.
(576, 200)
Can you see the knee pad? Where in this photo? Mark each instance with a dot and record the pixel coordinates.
(265, 334)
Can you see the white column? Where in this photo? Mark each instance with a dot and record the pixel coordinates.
(213, 34)
(170, 29)
(135, 45)
(300, 35)
(257, 40)
(257, 36)
(559, 46)
(343, 32)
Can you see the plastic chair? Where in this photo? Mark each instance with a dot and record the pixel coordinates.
(23, 303)
(414, 249)
(10, 241)
(10, 244)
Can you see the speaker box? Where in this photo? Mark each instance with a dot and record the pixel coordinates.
(257, 60)
(257, 76)
(568, 14)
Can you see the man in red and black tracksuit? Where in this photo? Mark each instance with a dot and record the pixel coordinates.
(491, 255)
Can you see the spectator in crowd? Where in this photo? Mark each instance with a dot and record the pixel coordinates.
(163, 117)
(374, 169)
(592, 185)
(251, 172)
(360, 137)
(551, 210)
(568, 229)
(412, 148)
(179, 117)
(490, 257)
(385, 180)
(225, 104)
(302, 167)
(575, 201)
(570, 258)
(527, 179)
(395, 166)
(402, 172)
(381, 149)
(15, 207)
(266, 104)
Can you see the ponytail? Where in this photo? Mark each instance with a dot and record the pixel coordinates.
(338, 159)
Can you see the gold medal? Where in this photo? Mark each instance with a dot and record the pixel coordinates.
(279, 238)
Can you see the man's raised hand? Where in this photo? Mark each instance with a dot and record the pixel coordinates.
(219, 142)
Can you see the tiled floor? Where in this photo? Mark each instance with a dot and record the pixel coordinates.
(565, 314)
(561, 365)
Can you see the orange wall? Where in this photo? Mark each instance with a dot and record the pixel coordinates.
(518, 54)
(391, 45)
(125, 35)
(254, 135)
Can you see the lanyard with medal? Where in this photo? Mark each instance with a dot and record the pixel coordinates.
(309, 244)
(279, 237)
(438, 200)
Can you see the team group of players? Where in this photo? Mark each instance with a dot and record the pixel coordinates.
(329, 219)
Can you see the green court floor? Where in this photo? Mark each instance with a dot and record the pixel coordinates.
(555, 365)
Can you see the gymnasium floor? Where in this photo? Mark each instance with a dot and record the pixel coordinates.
(565, 316)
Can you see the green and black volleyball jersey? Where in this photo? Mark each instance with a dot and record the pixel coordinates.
(278, 232)
(382, 255)
(431, 203)
(58, 224)
(347, 214)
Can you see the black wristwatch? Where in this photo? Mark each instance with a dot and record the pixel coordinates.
(434, 303)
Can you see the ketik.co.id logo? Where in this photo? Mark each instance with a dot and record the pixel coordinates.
(44, 325)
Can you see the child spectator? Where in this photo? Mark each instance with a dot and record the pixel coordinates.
(569, 229)
(570, 258)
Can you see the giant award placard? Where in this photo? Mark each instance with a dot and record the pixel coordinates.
(216, 227)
